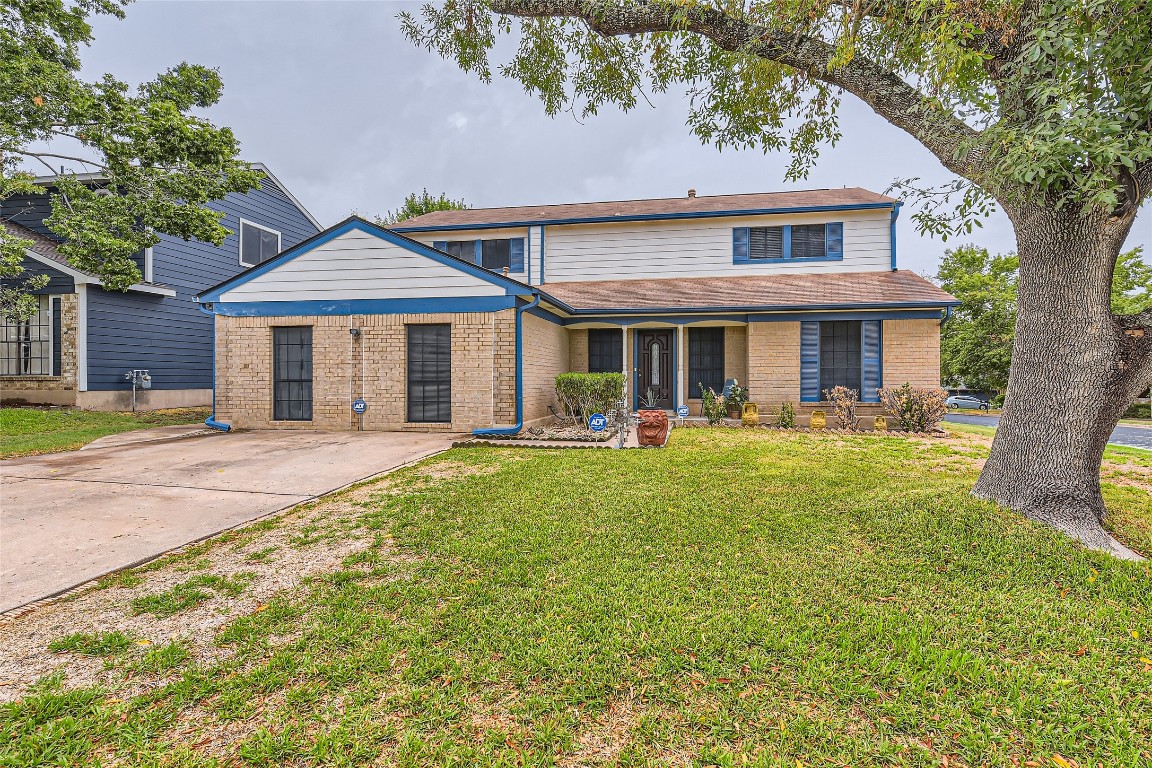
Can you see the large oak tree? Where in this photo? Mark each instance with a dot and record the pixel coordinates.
(1041, 107)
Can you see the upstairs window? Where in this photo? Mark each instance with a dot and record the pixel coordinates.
(789, 241)
(257, 243)
(495, 254)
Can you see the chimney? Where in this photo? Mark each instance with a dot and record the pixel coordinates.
(691, 193)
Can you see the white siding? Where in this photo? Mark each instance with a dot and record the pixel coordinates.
(359, 265)
(684, 247)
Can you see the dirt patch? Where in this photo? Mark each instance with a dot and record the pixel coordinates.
(602, 740)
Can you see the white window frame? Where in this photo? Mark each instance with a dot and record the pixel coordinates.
(240, 233)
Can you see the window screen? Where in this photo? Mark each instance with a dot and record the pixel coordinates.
(605, 350)
(26, 345)
(257, 244)
(497, 254)
(705, 359)
(766, 243)
(461, 249)
(292, 373)
(430, 373)
(808, 241)
(840, 356)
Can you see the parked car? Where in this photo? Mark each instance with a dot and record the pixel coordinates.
(966, 401)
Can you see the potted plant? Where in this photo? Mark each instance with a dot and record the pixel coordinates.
(652, 428)
(737, 396)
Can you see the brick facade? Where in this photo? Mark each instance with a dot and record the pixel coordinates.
(53, 390)
(911, 353)
(375, 368)
(773, 364)
(578, 350)
(547, 353)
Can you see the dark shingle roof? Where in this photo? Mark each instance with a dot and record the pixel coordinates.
(764, 292)
(672, 206)
(40, 244)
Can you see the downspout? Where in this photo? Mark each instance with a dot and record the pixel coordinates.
(211, 420)
(519, 377)
(895, 215)
(947, 316)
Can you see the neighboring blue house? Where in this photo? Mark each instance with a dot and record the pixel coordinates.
(83, 341)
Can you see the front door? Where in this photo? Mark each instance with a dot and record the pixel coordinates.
(655, 374)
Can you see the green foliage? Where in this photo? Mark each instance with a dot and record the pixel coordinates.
(713, 405)
(418, 205)
(976, 343)
(787, 418)
(147, 146)
(844, 402)
(99, 644)
(583, 394)
(1137, 411)
(1046, 102)
(918, 409)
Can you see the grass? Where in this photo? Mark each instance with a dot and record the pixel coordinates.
(99, 644)
(189, 593)
(31, 431)
(740, 598)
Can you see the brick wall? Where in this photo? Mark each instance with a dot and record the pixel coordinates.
(578, 350)
(736, 353)
(773, 363)
(55, 390)
(911, 353)
(483, 370)
(547, 353)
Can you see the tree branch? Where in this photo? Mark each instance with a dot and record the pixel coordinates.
(941, 132)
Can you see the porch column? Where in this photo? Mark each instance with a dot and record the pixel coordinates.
(681, 366)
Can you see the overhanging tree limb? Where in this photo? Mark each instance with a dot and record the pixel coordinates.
(953, 141)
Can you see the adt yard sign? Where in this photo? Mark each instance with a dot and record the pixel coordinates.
(682, 411)
(597, 422)
(359, 406)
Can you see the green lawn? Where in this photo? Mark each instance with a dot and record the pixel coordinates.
(740, 598)
(28, 431)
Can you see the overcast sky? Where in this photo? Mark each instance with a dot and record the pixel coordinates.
(351, 116)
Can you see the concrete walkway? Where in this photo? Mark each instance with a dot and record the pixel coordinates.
(68, 518)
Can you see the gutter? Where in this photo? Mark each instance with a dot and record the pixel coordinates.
(211, 420)
(519, 377)
(947, 315)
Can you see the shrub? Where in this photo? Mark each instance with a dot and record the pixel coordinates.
(1136, 411)
(918, 409)
(583, 394)
(787, 418)
(715, 409)
(844, 406)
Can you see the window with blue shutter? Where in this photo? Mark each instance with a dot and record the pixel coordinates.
(516, 254)
(871, 373)
(440, 245)
(739, 244)
(810, 362)
(834, 236)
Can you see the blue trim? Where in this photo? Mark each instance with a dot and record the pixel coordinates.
(544, 314)
(938, 305)
(211, 420)
(651, 217)
(789, 259)
(519, 376)
(543, 274)
(923, 314)
(871, 360)
(528, 258)
(741, 317)
(741, 245)
(355, 223)
(363, 306)
(834, 240)
(895, 215)
(786, 245)
(478, 252)
(810, 362)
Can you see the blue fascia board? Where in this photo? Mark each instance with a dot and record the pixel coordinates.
(937, 305)
(652, 217)
(767, 317)
(512, 287)
(363, 306)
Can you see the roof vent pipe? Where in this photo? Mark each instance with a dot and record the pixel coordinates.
(691, 193)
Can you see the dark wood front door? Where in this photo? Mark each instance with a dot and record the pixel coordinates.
(654, 349)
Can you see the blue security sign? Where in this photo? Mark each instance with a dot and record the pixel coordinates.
(682, 411)
(597, 422)
(359, 406)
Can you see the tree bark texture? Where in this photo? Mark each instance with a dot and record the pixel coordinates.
(1075, 369)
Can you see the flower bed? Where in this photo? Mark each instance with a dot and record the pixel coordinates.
(559, 432)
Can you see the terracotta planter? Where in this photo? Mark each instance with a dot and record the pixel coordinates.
(653, 428)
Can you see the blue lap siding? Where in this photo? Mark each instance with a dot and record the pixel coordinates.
(170, 336)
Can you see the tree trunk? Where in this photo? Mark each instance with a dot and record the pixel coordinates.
(1072, 376)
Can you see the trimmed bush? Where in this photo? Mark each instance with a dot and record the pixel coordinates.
(918, 409)
(1136, 411)
(583, 394)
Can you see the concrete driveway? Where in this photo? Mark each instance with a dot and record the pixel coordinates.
(67, 518)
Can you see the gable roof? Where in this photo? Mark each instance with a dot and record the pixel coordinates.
(840, 290)
(358, 223)
(661, 208)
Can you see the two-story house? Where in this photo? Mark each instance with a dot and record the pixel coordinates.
(84, 340)
(462, 319)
